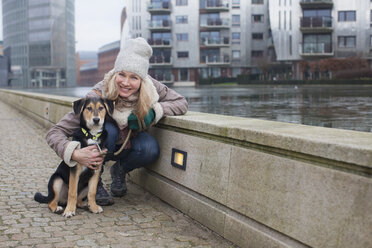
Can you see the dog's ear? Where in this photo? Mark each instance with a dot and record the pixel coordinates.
(78, 106)
(109, 104)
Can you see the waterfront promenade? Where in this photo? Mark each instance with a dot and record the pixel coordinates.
(139, 219)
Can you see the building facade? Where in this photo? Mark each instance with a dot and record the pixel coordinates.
(317, 30)
(39, 40)
(266, 38)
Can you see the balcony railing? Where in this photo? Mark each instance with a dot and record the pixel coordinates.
(217, 60)
(316, 22)
(164, 78)
(316, 49)
(215, 23)
(215, 42)
(216, 5)
(160, 42)
(309, 4)
(159, 6)
(160, 24)
(161, 60)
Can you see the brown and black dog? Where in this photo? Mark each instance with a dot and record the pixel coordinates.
(72, 185)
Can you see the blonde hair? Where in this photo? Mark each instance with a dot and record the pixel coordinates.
(112, 93)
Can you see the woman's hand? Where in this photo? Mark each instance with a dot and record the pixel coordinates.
(88, 156)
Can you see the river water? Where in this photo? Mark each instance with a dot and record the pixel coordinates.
(335, 106)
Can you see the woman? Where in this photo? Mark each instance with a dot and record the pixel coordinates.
(138, 99)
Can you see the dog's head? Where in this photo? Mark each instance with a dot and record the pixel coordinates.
(93, 111)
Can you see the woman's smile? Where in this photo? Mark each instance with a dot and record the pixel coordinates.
(128, 83)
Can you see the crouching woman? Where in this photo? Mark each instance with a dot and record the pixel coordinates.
(139, 102)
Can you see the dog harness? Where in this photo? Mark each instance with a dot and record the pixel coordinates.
(89, 135)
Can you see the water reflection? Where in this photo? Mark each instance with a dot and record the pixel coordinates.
(345, 107)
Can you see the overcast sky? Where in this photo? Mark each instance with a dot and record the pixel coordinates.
(97, 23)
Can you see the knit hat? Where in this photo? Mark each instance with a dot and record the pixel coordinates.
(134, 57)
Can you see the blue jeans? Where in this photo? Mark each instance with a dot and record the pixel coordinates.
(144, 149)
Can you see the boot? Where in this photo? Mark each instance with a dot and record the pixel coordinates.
(118, 185)
(102, 197)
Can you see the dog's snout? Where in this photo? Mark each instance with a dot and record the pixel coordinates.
(96, 120)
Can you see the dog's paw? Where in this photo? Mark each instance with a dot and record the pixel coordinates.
(58, 210)
(68, 214)
(96, 210)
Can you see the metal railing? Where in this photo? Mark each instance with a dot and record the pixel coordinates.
(316, 48)
(161, 60)
(159, 24)
(225, 59)
(160, 42)
(215, 22)
(216, 41)
(159, 6)
(316, 22)
(316, 1)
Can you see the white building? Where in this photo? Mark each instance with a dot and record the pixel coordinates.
(195, 39)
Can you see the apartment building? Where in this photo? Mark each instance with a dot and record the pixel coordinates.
(39, 40)
(313, 30)
(195, 39)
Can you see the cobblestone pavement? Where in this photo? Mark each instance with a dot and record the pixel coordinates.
(139, 219)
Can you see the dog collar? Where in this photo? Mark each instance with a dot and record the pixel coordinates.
(89, 135)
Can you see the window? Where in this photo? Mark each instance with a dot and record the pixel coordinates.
(257, 1)
(258, 18)
(236, 20)
(257, 36)
(182, 54)
(181, 19)
(182, 37)
(346, 41)
(257, 54)
(184, 74)
(370, 40)
(235, 38)
(346, 16)
(181, 2)
(236, 3)
(236, 55)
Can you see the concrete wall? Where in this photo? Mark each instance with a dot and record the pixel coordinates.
(257, 183)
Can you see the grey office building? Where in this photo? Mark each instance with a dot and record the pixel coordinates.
(39, 40)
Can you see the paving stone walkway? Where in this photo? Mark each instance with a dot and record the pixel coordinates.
(138, 219)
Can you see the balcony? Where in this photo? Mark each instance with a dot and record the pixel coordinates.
(166, 78)
(159, 7)
(160, 60)
(215, 23)
(316, 49)
(159, 25)
(217, 60)
(215, 42)
(321, 24)
(160, 43)
(315, 4)
(215, 5)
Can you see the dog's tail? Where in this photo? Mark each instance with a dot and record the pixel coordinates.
(41, 198)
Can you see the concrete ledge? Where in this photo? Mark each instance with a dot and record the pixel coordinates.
(257, 183)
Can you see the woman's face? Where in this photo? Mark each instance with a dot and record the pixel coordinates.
(128, 83)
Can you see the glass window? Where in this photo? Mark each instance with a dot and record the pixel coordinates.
(346, 41)
(236, 20)
(258, 18)
(236, 55)
(257, 36)
(257, 54)
(182, 37)
(184, 74)
(181, 2)
(257, 1)
(181, 19)
(183, 54)
(370, 40)
(235, 3)
(346, 16)
(235, 37)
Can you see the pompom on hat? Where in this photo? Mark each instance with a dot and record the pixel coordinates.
(134, 57)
